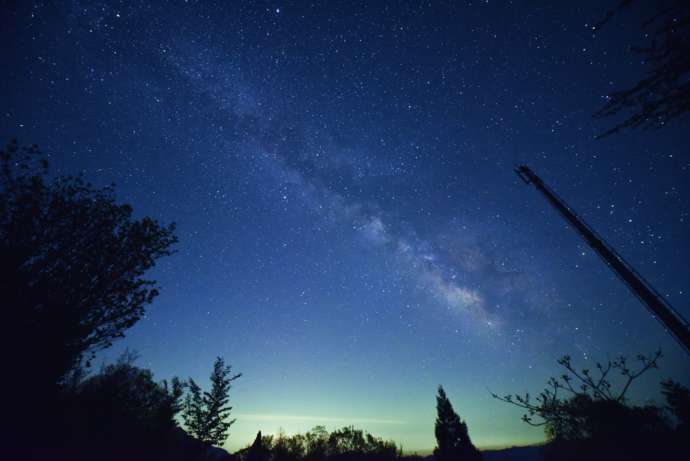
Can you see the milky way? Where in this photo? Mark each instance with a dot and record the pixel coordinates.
(351, 230)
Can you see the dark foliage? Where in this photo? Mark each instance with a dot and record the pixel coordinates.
(260, 449)
(528, 453)
(289, 448)
(452, 439)
(205, 414)
(345, 444)
(664, 93)
(350, 444)
(73, 262)
(678, 404)
(586, 417)
(122, 413)
(71, 277)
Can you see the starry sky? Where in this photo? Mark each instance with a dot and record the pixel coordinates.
(351, 230)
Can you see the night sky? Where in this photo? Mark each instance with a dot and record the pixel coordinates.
(351, 230)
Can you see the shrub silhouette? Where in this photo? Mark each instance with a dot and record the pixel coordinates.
(122, 413)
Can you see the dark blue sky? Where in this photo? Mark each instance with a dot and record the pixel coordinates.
(351, 231)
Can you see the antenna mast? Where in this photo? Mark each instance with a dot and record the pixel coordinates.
(671, 319)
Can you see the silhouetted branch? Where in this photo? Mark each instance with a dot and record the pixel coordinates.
(665, 93)
(549, 408)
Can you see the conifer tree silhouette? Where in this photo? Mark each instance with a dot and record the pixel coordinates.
(452, 438)
(205, 414)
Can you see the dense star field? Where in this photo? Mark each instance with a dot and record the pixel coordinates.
(352, 233)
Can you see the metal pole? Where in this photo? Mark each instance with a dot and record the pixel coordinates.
(652, 300)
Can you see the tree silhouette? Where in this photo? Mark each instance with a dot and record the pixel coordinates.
(678, 403)
(559, 414)
(194, 412)
(71, 276)
(353, 444)
(664, 94)
(287, 448)
(122, 413)
(316, 444)
(452, 439)
(205, 414)
(586, 417)
(260, 449)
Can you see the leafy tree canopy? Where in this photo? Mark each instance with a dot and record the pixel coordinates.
(72, 267)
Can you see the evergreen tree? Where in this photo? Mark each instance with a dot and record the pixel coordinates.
(194, 414)
(205, 415)
(216, 402)
(452, 438)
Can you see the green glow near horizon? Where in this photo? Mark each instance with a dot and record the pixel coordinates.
(412, 437)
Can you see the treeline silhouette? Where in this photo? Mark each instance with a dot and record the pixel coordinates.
(345, 444)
